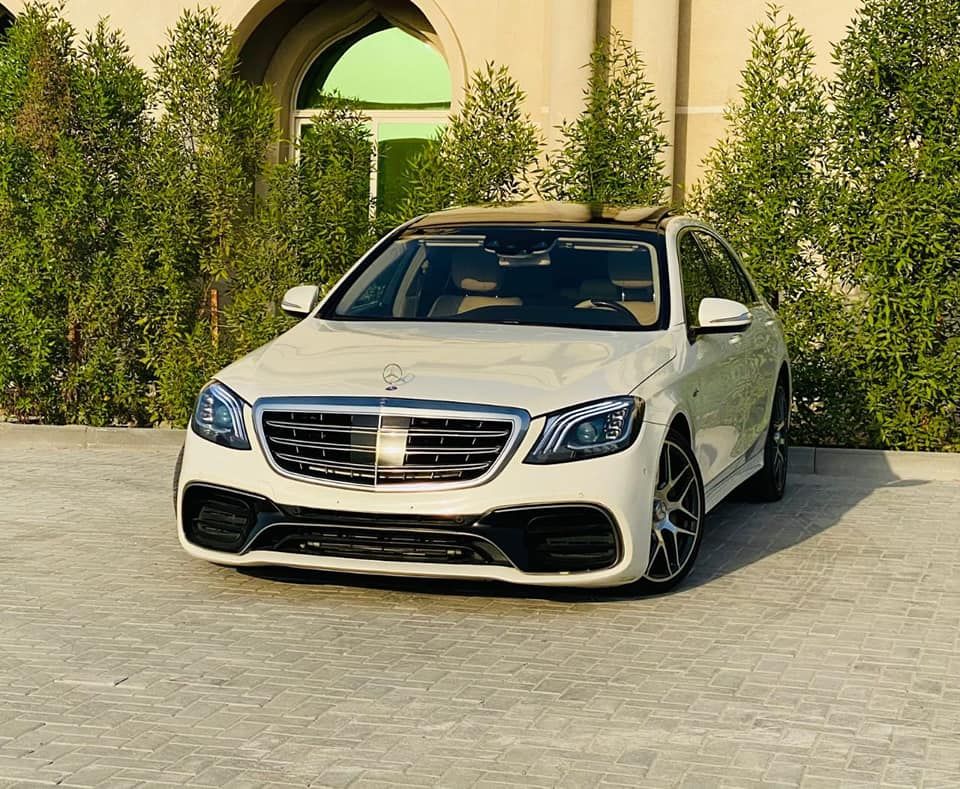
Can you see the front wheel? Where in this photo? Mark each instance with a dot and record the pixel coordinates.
(677, 518)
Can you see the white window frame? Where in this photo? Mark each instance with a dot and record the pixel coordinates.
(374, 118)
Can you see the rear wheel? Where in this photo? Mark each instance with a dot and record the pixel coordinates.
(770, 482)
(677, 517)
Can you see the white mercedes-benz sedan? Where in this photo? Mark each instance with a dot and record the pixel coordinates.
(539, 393)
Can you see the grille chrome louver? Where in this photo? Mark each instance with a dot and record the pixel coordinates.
(379, 444)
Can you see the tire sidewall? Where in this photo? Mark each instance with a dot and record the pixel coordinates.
(646, 585)
(776, 487)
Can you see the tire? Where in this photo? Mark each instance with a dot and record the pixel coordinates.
(677, 519)
(770, 482)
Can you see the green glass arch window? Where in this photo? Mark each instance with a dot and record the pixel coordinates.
(380, 67)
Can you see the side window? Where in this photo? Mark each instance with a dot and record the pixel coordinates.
(730, 279)
(697, 284)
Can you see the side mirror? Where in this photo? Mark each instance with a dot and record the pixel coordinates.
(722, 316)
(300, 301)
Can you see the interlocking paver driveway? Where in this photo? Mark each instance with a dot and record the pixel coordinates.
(817, 643)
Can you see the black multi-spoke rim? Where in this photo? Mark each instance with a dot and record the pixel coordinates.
(778, 439)
(677, 511)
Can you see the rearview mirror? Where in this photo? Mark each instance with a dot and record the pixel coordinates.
(721, 316)
(300, 301)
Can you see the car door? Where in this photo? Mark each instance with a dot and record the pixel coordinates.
(711, 370)
(756, 362)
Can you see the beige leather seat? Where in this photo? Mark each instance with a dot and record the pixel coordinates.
(630, 283)
(478, 276)
(600, 289)
(633, 276)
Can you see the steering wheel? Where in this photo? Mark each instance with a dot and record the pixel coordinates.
(616, 306)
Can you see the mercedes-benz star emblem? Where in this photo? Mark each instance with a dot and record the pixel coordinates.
(393, 376)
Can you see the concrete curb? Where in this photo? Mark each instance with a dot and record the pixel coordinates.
(83, 437)
(876, 465)
(867, 464)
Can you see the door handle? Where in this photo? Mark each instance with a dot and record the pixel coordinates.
(769, 322)
(734, 340)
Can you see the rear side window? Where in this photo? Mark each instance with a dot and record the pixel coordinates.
(731, 282)
(697, 282)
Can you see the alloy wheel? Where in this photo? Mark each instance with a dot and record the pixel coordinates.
(677, 514)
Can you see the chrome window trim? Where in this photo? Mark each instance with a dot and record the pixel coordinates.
(394, 406)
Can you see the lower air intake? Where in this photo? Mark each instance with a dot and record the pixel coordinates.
(381, 544)
(218, 519)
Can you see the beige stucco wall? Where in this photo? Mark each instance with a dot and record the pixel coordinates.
(714, 44)
(694, 49)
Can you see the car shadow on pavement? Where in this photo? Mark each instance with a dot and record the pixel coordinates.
(739, 532)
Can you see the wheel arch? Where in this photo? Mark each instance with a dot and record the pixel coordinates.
(786, 376)
(681, 425)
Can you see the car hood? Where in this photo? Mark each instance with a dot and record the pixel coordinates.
(535, 368)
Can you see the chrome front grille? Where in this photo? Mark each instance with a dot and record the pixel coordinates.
(378, 445)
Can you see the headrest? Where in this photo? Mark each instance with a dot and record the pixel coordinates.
(476, 273)
(630, 271)
(598, 289)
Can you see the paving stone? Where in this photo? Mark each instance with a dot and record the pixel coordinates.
(817, 643)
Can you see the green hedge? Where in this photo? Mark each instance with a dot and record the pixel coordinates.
(149, 232)
(853, 216)
(125, 201)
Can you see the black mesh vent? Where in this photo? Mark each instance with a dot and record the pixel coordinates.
(434, 547)
(218, 519)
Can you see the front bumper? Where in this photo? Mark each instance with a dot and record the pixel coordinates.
(599, 535)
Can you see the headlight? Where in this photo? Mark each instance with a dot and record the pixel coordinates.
(218, 417)
(590, 430)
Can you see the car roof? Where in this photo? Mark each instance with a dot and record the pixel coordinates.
(532, 212)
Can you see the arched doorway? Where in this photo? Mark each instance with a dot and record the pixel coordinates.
(399, 59)
(401, 84)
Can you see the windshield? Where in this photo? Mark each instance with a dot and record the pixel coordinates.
(521, 276)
